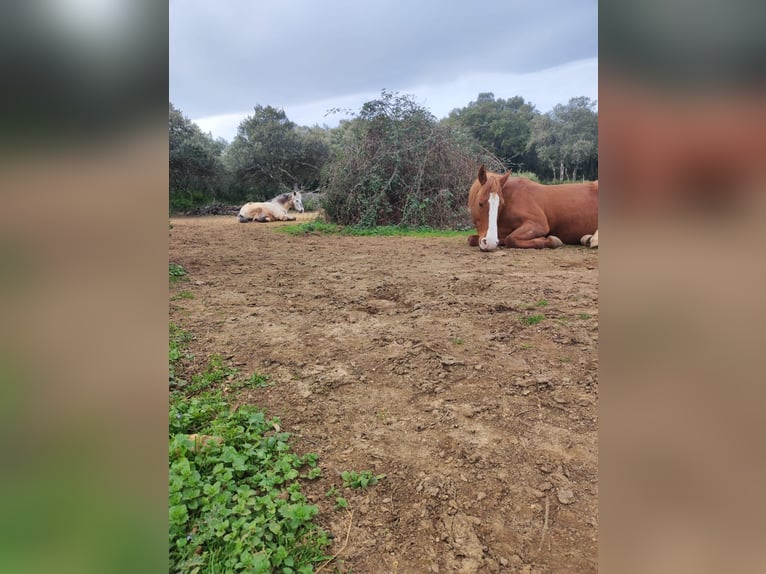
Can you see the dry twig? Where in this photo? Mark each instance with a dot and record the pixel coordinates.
(545, 523)
(348, 533)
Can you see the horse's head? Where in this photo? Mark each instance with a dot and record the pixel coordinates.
(485, 200)
(297, 201)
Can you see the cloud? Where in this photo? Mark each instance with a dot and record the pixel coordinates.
(544, 89)
(228, 57)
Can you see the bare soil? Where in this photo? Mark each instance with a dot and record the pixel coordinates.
(412, 358)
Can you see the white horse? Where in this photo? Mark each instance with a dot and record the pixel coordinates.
(274, 210)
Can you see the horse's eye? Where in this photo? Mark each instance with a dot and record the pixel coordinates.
(481, 204)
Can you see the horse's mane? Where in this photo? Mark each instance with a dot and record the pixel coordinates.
(285, 197)
(282, 198)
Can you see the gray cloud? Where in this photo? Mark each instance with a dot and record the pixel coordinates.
(226, 57)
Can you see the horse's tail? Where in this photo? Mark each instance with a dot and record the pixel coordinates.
(243, 219)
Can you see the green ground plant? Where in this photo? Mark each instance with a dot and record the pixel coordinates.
(532, 319)
(176, 272)
(235, 503)
(363, 479)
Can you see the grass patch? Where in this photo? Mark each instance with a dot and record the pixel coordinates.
(254, 381)
(584, 316)
(235, 503)
(320, 227)
(532, 319)
(179, 340)
(182, 295)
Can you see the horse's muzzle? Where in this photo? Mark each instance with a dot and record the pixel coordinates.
(485, 245)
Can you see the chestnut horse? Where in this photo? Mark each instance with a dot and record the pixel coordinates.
(274, 210)
(517, 212)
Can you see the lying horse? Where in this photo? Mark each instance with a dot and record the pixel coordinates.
(273, 210)
(517, 212)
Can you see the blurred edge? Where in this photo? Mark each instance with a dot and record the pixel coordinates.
(83, 232)
(683, 142)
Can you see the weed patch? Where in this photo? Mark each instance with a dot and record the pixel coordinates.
(532, 319)
(176, 273)
(235, 502)
(354, 479)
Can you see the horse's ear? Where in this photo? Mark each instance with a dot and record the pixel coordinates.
(482, 175)
(504, 179)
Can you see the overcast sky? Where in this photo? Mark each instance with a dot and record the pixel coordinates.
(308, 56)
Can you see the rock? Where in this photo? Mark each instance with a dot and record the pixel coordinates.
(565, 496)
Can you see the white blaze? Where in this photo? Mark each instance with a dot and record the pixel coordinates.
(490, 240)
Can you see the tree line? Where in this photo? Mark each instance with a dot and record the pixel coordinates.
(392, 162)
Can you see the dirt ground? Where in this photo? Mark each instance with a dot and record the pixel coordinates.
(410, 357)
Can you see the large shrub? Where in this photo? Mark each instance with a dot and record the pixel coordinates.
(395, 165)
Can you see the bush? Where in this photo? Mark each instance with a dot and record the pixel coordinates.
(395, 165)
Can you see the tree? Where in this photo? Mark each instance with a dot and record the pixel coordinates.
(566, 139)
(270, 155)
(501, 126)
(196, 173)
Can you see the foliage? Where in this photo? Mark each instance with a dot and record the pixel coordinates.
(195, 167)
(389, 163)
(235, 503)
(501, 126)
(566, 139)
(271, 155)
(395, 165)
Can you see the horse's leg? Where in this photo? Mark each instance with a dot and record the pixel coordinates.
(531, 235)
(473, 240)
(261, 218)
